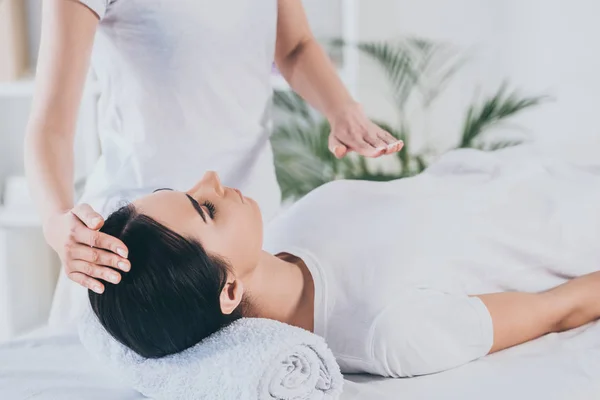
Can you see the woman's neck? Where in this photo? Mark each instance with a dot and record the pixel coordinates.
(282, 288)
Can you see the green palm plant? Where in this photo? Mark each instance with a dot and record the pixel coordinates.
(491, 112)
(414, 67)
(417, 71)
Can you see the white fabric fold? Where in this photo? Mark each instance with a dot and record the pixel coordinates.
(251, 359)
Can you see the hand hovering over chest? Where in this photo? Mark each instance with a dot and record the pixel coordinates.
(310, 73)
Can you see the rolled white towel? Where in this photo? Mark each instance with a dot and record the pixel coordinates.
(251, 359)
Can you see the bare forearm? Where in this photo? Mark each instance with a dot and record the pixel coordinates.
(312, 75)
(68, 30)
(521, 317)
(49, 169)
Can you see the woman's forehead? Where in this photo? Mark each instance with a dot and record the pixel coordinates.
(170, 208)
(158, 200)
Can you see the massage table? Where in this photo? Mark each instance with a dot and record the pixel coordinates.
(50, 365)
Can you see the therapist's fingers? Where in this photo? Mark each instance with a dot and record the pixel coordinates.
(88, 216)
(365, 149)
(98, 257)
(100, 240)
(336, 147)
(365, 144)
(377, 142)
(385, 139)
(354, 141)
(94, 271)
(86, 281)
(394, 145)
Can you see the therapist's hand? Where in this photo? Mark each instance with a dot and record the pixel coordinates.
(352, 130)
(86, 253)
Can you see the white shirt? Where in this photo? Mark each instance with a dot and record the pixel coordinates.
(185, 88)
(394, 264)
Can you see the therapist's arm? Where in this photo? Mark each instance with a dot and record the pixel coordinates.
(520, 317)
(68, 30)
(308, 70)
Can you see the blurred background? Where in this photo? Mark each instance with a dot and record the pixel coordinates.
(440, 74)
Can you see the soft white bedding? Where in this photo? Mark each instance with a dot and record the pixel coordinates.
(556, 367)
(565, 366)
(50, 366)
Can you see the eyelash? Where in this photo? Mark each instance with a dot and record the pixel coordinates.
(212, 210)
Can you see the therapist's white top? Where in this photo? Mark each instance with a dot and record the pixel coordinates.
(185, 88)
(394, 263)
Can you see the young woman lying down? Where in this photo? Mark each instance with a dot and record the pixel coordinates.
(403, 278)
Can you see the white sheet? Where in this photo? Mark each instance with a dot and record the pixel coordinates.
(55, 367)
(556, 367)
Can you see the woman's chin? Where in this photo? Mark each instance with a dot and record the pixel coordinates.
(250, 200)
(255, 205)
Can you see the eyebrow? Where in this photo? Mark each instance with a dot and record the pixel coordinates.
(195, 204)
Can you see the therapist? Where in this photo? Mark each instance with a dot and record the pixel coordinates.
(186, 87)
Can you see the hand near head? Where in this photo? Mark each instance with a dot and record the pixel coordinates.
(351, 130)
(86, 254)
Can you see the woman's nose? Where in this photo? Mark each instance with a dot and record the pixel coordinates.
(211, 180)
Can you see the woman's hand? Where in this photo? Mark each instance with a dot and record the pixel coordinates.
(351, 130)
(85, 252)
(308, 70)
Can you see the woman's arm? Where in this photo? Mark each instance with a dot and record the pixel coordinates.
(426, 331)
(520, 317)
(68, 31)
(67, 36)
(311, 74)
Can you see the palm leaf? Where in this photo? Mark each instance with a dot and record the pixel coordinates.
(397, 63)
(500, 106)
(440, 66)
(404, 155)
(414, 65)
(298, 167)
(423, 53)
(421, 164)
(302, 158)
(291, 103)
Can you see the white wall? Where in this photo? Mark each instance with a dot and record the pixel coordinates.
(34, 19)
(14, 113)
(555, 46)
(541, 46)
(13, 117)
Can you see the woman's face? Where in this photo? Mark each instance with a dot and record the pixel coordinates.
(226, 223)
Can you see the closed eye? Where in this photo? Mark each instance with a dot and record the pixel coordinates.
(212, 210)
(196, 205)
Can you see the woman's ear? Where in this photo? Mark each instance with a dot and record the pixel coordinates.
(231, 296)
